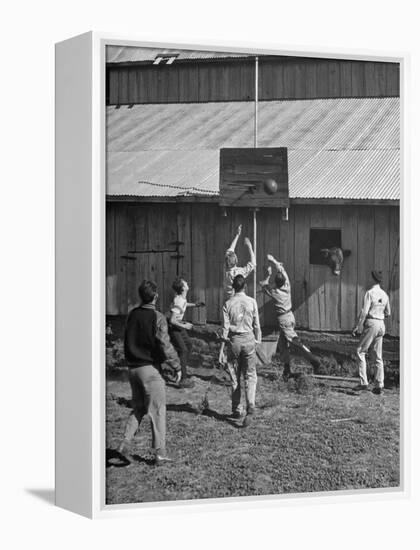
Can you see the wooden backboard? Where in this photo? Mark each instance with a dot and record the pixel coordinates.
(243, 172)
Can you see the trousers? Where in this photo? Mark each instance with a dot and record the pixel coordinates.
(245, 364)
(148, 397)
(182, 343)
(289, 340)
(372, 335)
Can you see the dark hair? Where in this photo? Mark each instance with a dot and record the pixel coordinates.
(279, 280)
(178, 285)
(147, 291)
(238, 283)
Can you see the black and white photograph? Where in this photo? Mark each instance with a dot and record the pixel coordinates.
(252, 274)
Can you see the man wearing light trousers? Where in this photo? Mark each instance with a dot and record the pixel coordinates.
(372, 327)
(241, 327)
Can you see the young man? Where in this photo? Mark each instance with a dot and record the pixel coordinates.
(281, 296)
(371, 324)
(231, 263)
(146, 347)
(241, 327)
(178, 327)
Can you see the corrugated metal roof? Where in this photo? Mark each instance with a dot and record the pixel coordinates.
(131, 54)
(337, 148)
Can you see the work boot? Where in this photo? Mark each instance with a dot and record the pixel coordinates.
(286, 373)
(361, 387)
(377, 391)
(249, 414)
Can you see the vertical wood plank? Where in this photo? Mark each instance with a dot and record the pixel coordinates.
(365, 251)
(382, 245)
(121, 234)
(301, 256)
(123, 87)
(394, 279)
(334, 79)
(392, 76)
(198, 253)
(345, 79)
(333, 220)
(349, 274)
(317, 275)
(113, 86)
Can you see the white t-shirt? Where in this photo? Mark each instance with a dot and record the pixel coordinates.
(178, 307)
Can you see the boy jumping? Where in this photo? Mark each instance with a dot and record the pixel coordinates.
(281, 296)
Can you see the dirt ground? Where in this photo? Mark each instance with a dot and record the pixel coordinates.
(307, 435)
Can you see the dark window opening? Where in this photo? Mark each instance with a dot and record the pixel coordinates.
(322, 238)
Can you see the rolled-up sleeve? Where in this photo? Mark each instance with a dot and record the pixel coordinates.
(167, 349)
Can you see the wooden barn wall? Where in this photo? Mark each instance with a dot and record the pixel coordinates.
(321, 300)
(295, 78)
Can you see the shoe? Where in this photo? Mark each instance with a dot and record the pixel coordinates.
(249, 414)
(163, 459)
(122, 447)
(236, 415)
(286, 374)
(361, 387)
(377, 391)
(185, 383)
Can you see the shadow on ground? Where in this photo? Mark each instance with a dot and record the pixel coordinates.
(47, 495)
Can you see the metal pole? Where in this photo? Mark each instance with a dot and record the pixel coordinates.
(255, 252)
(256, 104)
(255, 145)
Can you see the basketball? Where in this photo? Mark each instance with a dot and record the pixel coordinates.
(270, 186)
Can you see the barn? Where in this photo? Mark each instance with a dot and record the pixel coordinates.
(170, 112)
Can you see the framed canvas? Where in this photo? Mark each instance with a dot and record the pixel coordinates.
(229, 313)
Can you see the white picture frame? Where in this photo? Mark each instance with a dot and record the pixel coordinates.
(80, 282)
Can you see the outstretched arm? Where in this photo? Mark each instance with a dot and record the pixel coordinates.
(280, 268)
(252, 258)
(235, 239)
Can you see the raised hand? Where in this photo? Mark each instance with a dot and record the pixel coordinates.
(247, 242)
(270, 258)
(269, 270)
(239, 230)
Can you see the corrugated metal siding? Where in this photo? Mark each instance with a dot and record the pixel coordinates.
(130, 54)
(338, 148)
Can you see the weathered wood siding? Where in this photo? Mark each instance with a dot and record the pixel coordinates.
(321, 300)
(279, 78)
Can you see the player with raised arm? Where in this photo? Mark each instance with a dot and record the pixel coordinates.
(280, 294)
(231, 263)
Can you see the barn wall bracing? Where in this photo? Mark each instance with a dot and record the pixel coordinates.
(322, 301)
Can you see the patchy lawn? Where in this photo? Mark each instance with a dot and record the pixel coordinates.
(306, 436)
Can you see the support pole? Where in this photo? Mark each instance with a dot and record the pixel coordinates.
(254, 211)
(256, 104)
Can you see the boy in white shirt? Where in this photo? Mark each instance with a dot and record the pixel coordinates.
(372, 327)
(178, 327)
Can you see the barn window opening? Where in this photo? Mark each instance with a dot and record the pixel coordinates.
(319, 239)
(165, 59)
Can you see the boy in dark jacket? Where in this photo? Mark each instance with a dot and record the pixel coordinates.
(146, 347)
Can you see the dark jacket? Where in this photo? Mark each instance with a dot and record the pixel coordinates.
(146, 339)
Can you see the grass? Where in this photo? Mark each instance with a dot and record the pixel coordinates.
(305, 437)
